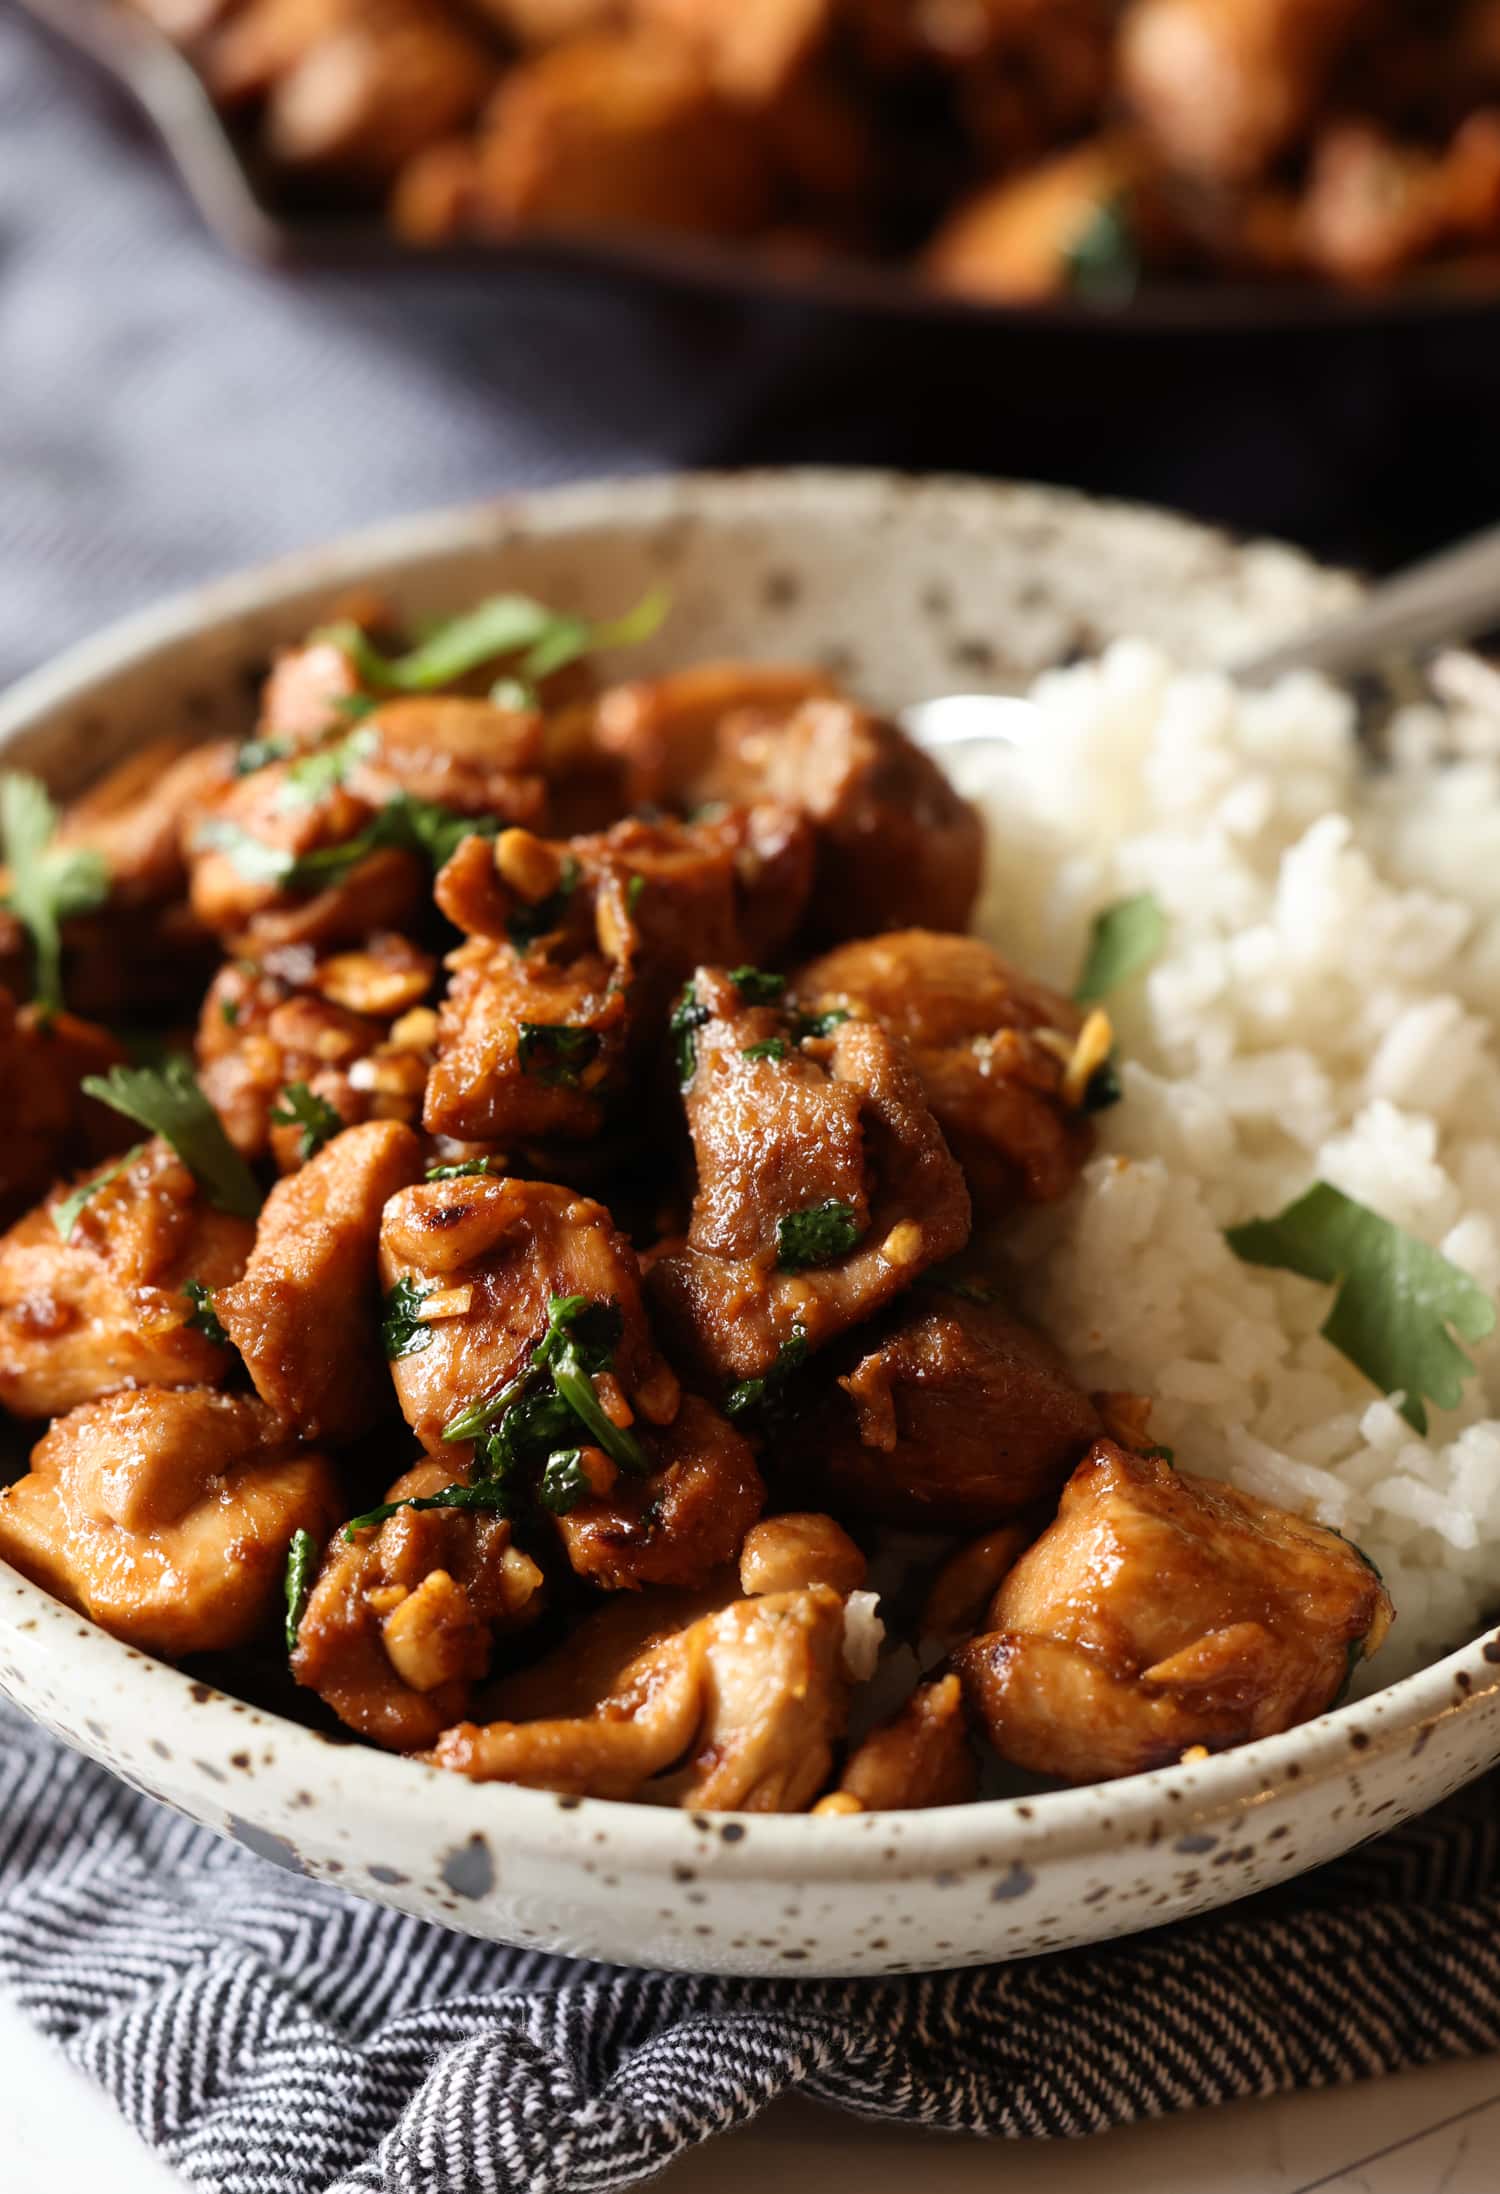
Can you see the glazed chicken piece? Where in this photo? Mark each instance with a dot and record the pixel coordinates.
(165, 1515)
(305, 696)
(1374, 206)
(403, 1619)
(744, 1703)
(667, 1489)
(950, 1414)
(348, 1026)
(920, 1757)
(999, 1055)
(753, 55)
(106, 1308)
(139, 813)
(1019, 237)
(575, 951)
(1225, 86)
(1162, 1611)
(658, 738)
(824, 1185)
(305, 1315)
(43, 1058)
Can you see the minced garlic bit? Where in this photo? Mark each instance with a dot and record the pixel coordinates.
(903, 1245)
(1194, 1756)
(366, 983)
(1089, 1054)
(529, 866)
(388, 1074)
(838, 1801)
(415, 1031)
(447, 1302)
(384, 1599)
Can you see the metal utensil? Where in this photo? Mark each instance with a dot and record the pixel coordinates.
(1445, 598)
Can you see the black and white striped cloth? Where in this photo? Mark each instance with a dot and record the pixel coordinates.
(239, 2015)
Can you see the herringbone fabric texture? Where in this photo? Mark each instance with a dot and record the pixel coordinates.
(241, 2017)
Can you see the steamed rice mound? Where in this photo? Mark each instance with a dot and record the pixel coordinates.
(1326, 1007)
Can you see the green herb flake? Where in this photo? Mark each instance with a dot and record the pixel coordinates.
(1396, 1297)
(555, 1053)
(770, 1047)
(1124, 939)
(688, 1016)
(545, 641)
(316, 775)
(298, 1106)
(756, 986)
(1103, 263)
(527, 923)
(634, 892)
(402, 1331)
(818, 1236)
(409, 825)
(807, 1026)
(754, 1394)
(167, 1101)
(301, 1563)
(229, 1012)
(564, 1482)
(471, 1169)
(204, 1318)
(67, 1210)
(524, 1421)
(48, 882)
(487, 1497)
(254, 754)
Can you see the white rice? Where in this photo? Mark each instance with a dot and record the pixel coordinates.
(1326, 1008)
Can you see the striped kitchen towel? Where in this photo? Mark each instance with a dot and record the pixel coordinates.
(238, 2014)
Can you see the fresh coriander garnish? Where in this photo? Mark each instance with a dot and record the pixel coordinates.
(554, 1053)
(298, 1106)
(506, 624)
(65, 1213)
(48, 882)
(203, 1317)
(763, 1393)
(254, 754)
(316, 775)
(490, 1500)
(579, 1341)
(770, 1047)
(688, 1016)
(563, 1482)
(1103, 262)
(756, 986)
(528, 923)
(1124, 939)
(633, 892)
(403, 1332)
(167, 1101)
(301, 1561)
(809, 1025)
(406, 823)
(229, 1012)
(1396, 1297)
(354, 706)
(818, 1236)
(469, 1170)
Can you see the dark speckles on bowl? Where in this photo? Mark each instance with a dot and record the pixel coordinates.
(469, 1869)
(1016, 1881)
(280, 1850)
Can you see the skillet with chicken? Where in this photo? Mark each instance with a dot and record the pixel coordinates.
(559, 1226)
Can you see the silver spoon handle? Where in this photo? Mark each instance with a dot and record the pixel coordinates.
(1451, 596)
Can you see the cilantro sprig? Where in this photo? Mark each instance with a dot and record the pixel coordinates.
(298, 1106)
(555, 1053)
(167, 1101)
(68, 1209)
(48, 882)
(301, 1561)
(544, 641)
(403, 1331)
(1124, 939)
(1396, 1300)
(203, 1318)
(410, 825)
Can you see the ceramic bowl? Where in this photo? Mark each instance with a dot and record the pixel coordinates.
(906, 588)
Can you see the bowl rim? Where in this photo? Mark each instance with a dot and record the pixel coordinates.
(1060, 1822)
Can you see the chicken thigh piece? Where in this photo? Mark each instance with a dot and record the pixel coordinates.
(305, 1314)
(165, 1515)
(1162, 1611)
(993, 1050)
(949, 1414)
(824, 1186)
(50, 1123)
(920, 1757)
(106, 1306)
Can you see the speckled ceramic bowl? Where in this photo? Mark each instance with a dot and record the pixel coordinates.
(907, 588)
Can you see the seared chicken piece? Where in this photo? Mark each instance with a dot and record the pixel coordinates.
(992, 1048)
(304, 699)
(138, 815)
(106, 1308)
(305, 1316)
(1225, 86)
(784, 1553)
(1018, 238)
(951, 1414)
(1374, 206)
(165, 1516)
(753, 54)
(824, 1186)
(1162, 1611)
(657, 738)
(43, 1057)
(959, 1596)
(576, 949)
(668, 1495)
(921, 1757)
(345, 1025)
(402, 1621)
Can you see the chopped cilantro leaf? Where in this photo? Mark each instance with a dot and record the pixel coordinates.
(203, 1317)
(528, 1421)
(229, 1012)
(48, 882)
(554, 1053)
(406, 823)
(298, 1106)
(756, 986)
(564, 1483)
(528, 923)
(167, 1101)
(254, 754)
(808, 1025)
(505, 624)
(316, 775)
(301, 1561)
(488, 1496)
(1103, 262)
(402, 1331)
(469, 1170)
(688, 1016)
(633, 892)
(818, 1236)
(1124, 939)
(1396, 1297)
(753, 1394)
(770, 1047)
(65, 1213)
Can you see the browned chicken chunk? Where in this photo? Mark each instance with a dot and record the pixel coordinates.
(950, 1414)
(1163, 1611)
(305, 1315)
(402, 1621)
(106, 1308)
(165, 1516)
(993, 1049)
(824, 1186)
(50, 1124)
(921, 1757)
